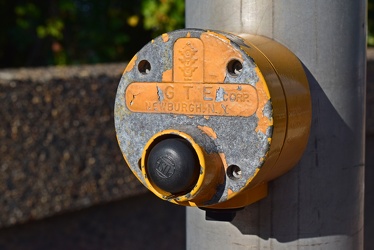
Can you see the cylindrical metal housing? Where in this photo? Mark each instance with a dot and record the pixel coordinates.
(319, 204)
(245, 112)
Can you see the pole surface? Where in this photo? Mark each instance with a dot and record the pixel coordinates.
(319, 204)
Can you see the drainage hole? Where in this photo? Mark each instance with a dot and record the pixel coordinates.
(144, 67)
(234, 67)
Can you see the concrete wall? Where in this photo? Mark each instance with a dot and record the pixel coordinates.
(59, 156)
(58, 149)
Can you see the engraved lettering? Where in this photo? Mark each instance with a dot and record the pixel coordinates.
(177, 107)
(193, 99)
(191, 108)
(206, 92)
(224, 107)
(165, 166)
(211, 108)
(163, 106)
(184, 107)
(188, 87)
(169, 92)
(170, 107)
(232, 97)
(198, 108)
(155, 106)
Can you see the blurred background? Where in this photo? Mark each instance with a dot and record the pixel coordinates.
(73, 32)
(65, 32)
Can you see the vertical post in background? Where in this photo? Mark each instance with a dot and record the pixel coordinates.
(319, 203)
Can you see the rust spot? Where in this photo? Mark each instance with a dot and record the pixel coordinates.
(165, 37)
(209, 131)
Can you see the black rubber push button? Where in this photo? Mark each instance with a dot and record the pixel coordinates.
(173, 166)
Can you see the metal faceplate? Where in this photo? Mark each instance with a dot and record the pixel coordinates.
(206, 87)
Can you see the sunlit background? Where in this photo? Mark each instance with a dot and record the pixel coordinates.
(64, 32)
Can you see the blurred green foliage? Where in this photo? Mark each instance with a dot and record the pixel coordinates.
(59, 32)
(370, 38)
(161, 15)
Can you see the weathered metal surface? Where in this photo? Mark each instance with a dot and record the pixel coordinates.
(221, 93)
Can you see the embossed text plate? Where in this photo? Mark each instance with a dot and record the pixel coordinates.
(192, 98)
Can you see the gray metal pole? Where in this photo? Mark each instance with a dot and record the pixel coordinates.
(319, 204)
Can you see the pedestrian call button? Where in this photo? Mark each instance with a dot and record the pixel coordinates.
(208, 118)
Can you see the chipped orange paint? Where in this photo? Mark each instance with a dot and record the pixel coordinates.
(167, 76)
(217, 54)
(279, 111)
(218, 35)
(202, 62)
(209, 131)
(192, 98)
(264, 96)
(131, 64)
(165, 37)
(195, 63)
(297, 94)
(229, 192)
